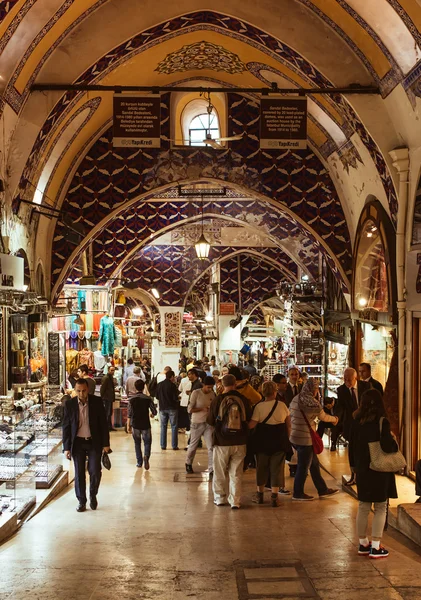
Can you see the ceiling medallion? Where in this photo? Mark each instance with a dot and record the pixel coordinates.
(201, 55)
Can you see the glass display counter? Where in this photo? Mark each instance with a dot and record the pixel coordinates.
(17, 474)
(337, 362)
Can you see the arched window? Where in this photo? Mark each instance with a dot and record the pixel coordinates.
(202, 126)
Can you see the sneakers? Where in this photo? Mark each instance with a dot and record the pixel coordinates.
(364, 550)
(146, 459)
(303, 498)
(189, 469)
(221, 503)
(328, 492)
(284, 492)
(139, 465)
(380, 553)
(257, 498)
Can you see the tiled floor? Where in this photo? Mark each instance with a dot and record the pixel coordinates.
(153, 538)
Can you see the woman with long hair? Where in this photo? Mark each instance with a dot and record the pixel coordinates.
(373, 487)
(305, 407)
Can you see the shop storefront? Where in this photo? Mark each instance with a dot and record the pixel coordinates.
(374, 298)
(30, 409)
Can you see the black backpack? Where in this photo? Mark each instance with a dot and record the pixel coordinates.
(153, 386)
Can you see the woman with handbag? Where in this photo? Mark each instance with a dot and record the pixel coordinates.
(370, 439)
(272, 425)
(304, 408)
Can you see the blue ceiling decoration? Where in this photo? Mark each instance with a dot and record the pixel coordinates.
(108, 178)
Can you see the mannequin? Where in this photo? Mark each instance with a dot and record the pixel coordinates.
(107, 335)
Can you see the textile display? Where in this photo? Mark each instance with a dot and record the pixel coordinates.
(107, 335)
(172, 322)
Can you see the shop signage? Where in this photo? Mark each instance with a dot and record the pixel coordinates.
(283, 123)
(137, 121)
(369, 314)
(11, 272)
(227, 308)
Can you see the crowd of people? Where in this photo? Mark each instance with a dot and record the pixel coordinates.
(245, 422)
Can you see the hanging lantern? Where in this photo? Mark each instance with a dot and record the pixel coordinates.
(202, 247)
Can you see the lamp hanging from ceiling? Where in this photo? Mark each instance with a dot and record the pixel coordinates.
(202, 246)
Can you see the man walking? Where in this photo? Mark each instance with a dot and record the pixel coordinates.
(229, 413)
(139, 425)
(198, 407)
(167, 395)
(108, 385)
(83, 373)
(131, 389)
(85, 436)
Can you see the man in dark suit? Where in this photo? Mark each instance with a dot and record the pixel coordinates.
(85, 435)
(349, 394)
(365, 375)
(293, 386)
(349, 397)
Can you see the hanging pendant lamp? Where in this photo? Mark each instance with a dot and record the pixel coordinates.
(202, 246)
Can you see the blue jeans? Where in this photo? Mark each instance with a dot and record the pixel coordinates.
(307, 459)
(172, 417)
(138, 436)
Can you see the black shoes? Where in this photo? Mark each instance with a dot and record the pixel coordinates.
(146, 462)
(189, 469)
(93, 503)
(81, 507)
(333, 448)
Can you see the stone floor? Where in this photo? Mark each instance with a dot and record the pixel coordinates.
(153, 538)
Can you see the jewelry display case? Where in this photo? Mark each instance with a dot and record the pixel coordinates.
(17, 474)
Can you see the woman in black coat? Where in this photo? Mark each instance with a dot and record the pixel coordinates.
(373, 487)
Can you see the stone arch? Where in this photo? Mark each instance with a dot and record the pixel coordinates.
(162, 186)
(242, 251)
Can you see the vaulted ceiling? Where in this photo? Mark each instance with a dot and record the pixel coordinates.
(294, 43)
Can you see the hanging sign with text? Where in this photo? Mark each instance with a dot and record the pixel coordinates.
(137, 121)
(283, 123)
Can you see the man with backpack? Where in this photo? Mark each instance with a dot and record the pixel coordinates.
(229, 413)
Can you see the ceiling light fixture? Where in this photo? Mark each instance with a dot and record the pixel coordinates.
(363, 302)
(155, 293)
(202, 245)
(137, 311)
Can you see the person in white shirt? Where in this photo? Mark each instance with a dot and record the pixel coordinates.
(183, 416)
(130, 383)
(199, 403)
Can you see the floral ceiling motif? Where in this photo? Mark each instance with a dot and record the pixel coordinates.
(201, 55)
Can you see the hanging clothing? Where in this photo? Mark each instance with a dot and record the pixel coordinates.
(99, 360)
(86, 357)
(107, 335)
(72, 360)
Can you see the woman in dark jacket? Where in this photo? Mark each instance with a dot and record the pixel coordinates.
(373, 487)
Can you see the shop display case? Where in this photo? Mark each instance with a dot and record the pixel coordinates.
(337, 362)
(17, 473)
(309, 356)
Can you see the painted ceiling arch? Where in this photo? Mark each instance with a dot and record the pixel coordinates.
(332, 121)
(357, 23)
(173, 270)
(109, 177)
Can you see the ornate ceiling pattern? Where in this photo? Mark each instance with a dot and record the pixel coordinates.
(108, 178)
(227, 26)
